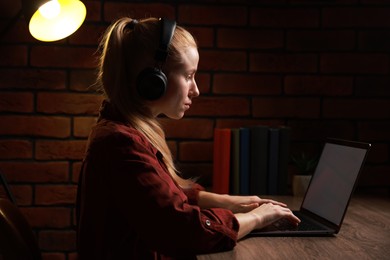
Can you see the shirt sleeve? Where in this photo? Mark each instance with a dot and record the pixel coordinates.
(165, 216)
(192, 193)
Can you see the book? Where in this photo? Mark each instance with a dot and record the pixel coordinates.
(244, 160)
(273, 161)
(235, 162)
(221, 160)
(259, 160)
(284, 157)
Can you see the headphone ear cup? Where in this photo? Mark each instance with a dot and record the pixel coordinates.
(151, 83)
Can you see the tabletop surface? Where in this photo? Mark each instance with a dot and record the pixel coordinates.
(364, 234)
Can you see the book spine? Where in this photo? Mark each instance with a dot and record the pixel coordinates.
(284, 157)
(259, 160)
(273, 161)
(221, 163)
(235, 162)
(244, 160)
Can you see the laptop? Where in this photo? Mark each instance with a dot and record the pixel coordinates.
(326, 200)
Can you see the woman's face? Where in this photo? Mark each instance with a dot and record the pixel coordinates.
(181, 87)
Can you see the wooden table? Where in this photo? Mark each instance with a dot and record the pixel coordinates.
(365, 234)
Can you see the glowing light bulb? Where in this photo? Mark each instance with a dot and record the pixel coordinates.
(50, 10)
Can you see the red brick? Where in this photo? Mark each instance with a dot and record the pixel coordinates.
(222, 60)
(42, 126)
(195, 151)
(286, 107)
(113, 11)
(88, 34)
(374, 63)
(252, 84)
(378, 40)
(172, 145)
(202, 172)
(285, 17)
(72, 256)
(35, 172)
(18, 33)
(54, 256)
(318, 85)
(249, 39)
(21, 193)
(203, 82)
(93, 10)
(9, 8)
(203, 36)
(219, 106)
(16, 102)
(12, 55)
(340, 40)
(266, 62)
(374, 130)
(372, 86)
(59, 57)
(82, 126)
(15, 149)
(60, 150)
(32, 79)
(212, 15)
(76, 167)
(83, 80)
(321, 129)
(188, 128)
(55, 194)
(361, 17)
(356, 108)
(69, 103)
(47, 217)
(57, 240)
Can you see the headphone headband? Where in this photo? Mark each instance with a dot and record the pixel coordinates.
(167, 30)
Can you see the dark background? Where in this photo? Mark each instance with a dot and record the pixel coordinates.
(320, 67)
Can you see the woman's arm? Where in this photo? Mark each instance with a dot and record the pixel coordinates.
(251, 212)
(237, 204)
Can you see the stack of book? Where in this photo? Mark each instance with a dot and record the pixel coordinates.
(251, 160)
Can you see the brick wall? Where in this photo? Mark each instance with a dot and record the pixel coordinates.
(320, 67)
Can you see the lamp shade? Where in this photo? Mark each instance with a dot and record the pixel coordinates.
(52, 20)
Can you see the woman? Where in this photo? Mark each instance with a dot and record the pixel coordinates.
(132, 204)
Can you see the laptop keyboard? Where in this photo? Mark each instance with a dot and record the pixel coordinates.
(285, 224)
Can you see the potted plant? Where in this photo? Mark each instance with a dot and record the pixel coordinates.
(305, 166)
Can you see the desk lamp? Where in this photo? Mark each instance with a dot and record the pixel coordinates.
(50, 20)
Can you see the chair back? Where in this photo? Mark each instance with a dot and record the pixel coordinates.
(17, 240)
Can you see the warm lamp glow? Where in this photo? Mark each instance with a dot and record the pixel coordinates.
(57, 19)
(50, 10)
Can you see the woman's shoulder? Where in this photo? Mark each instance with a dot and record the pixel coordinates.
(112, 133)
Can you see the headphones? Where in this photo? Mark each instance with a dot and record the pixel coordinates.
(151, 83)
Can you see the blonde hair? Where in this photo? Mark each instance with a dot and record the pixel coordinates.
(126, 49)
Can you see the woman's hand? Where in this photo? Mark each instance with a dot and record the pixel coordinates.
(243, 204)
(237, 204)
(263, 216)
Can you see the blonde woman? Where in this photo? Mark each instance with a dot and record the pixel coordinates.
(132, 204)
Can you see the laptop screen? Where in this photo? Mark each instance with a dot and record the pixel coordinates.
(333, 181)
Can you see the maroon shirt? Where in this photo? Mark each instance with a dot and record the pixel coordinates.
(129, 207)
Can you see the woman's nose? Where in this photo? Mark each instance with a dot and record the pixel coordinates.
(194, 91)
